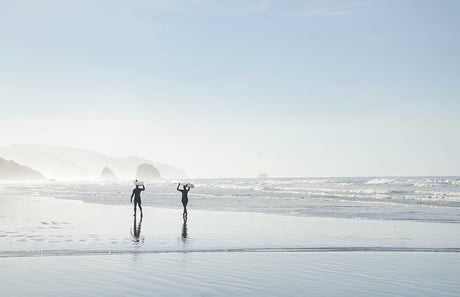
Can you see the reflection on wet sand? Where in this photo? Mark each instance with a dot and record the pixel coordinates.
(184, 230)
(136, 230)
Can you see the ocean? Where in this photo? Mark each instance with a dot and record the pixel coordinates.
(433, 199)
(395, 236)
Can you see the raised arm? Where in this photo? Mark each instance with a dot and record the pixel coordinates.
(178, 186)
(143, 188)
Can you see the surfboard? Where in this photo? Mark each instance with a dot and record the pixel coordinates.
(191, 186)
(138, 183)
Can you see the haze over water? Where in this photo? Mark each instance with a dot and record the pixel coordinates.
(235, 89)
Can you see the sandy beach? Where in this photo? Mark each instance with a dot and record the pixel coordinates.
(52, 247)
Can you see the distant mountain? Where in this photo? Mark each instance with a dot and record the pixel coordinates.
(71, 163)
(12, 171)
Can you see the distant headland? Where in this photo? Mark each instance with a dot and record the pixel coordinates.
(66, 163)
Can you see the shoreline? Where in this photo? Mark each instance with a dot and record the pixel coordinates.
(87, 253)
(217, 253)
(425, 200)
(224, 209)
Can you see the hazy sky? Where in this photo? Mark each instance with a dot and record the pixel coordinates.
(238, 88)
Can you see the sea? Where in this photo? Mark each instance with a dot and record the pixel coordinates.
(353, 236)
(431, 199)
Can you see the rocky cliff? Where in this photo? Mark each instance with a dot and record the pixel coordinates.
(12, 171)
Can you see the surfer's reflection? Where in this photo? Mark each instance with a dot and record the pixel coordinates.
(136, 230)
(184, 230)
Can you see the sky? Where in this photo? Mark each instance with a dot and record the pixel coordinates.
(238, 88)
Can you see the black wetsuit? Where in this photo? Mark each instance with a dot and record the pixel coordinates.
(184, 198)
(137, 197)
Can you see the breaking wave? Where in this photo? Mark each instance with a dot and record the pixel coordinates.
(397, 198)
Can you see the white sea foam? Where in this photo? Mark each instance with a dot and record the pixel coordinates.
(411, 198)
(378, 181)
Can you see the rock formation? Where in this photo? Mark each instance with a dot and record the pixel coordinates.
(66, 163)
(12, 171)
(107, 174)
(147, 172)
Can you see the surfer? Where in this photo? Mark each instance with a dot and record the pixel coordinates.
(184, 191)
(137, 197)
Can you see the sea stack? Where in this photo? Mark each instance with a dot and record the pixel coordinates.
(107, 174)
(147, 172)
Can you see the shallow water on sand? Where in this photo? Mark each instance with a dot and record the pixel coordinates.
(55, 247)
(235, 274)
(47, 226)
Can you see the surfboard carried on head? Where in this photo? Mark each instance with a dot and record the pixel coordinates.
(191, 186)
(138, 183)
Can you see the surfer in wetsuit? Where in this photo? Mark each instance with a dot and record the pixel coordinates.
(137, 198)
(184, 191)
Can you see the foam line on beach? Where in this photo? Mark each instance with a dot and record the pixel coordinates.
(69, 252)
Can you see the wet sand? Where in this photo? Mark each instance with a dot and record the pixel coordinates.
(51, 247)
